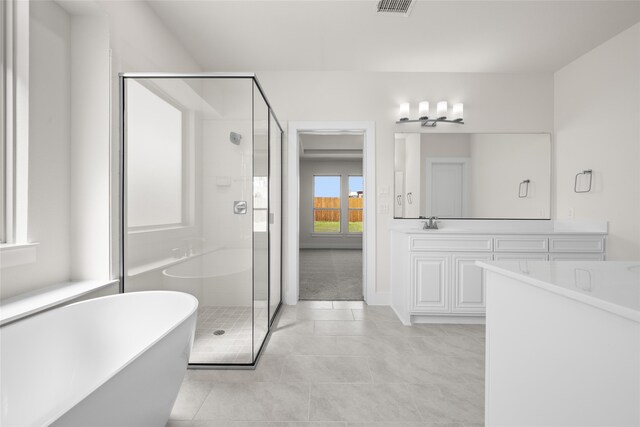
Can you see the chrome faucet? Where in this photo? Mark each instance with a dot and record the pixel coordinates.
(431, 223)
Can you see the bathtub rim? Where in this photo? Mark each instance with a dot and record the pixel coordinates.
(165, 270)
(101, 381)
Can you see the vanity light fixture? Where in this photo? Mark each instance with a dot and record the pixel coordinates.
(423, 109)
(442, 110)
(405, 109)
(442, 114)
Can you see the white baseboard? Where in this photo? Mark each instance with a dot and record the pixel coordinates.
(400, 317)
(379, 298)
(463, 320)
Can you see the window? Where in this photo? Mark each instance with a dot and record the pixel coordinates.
(155, 179)
(356, 200)
(326, 204)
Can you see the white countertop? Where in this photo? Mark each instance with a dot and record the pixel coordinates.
(613, 286)
(542, 227)
(446, 230)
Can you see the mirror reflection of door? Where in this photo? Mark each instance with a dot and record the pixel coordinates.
(398, 203)
(447, 182)
(495, 165)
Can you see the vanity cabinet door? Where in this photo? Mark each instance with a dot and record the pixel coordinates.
(468, 283)
(430, 283)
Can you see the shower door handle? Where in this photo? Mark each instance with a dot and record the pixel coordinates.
(239, 207)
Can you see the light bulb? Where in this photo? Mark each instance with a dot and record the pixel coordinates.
(404, 112)
(423, 109)
(442, 109)
(457, 113)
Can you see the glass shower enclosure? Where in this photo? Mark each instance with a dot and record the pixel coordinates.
(201, 204)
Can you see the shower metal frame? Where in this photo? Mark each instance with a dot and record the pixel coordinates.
(122, 201)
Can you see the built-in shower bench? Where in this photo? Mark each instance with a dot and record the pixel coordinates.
(20, 306)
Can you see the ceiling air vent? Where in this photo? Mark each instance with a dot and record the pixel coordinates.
(400, 7)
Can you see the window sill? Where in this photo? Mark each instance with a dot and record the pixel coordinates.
(14, 254)
(20, 306)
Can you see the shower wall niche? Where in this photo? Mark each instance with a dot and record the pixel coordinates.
(202, 206)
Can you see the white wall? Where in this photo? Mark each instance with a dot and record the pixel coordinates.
(89, 156)
(309, 168)
(413, 184)
(493, 103)
(73, 140)
(139, 41)
(226, 170)
(499, 163)
(49, 130)
(597, 126)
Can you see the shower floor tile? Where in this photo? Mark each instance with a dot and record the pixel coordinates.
(234, 346)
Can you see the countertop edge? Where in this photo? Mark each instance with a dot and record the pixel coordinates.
(441, 232)
(627, 313)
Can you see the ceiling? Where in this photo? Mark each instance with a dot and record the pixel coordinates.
(439, 36)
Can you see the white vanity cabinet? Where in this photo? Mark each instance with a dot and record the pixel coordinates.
(468, 283)
(430, 278)
(434, 276)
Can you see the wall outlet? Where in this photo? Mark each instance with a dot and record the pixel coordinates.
(383, 208)
(572, 213)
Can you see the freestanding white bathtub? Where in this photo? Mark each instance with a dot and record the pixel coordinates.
(110, 361)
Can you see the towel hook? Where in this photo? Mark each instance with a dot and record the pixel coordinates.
(524, 184)
(588, 172)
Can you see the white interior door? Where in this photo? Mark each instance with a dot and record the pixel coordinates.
(398, 202)
(447, 190)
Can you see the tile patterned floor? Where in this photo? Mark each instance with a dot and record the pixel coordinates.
(344, 363)
(234, 346)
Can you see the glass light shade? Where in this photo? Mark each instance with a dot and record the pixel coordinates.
(405, 110)
(457, 113)
(423, 109)
(442, 109)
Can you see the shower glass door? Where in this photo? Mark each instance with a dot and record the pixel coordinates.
(196, 203)
(275, 216)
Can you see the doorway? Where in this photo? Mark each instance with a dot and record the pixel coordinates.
(293, 205)
(331, 216)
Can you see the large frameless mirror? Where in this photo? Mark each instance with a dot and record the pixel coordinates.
(474, 176)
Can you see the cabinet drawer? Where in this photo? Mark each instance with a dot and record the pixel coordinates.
(446, 244)
(576, 244)
(520, 257)
(521, 244)
(566, 256)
